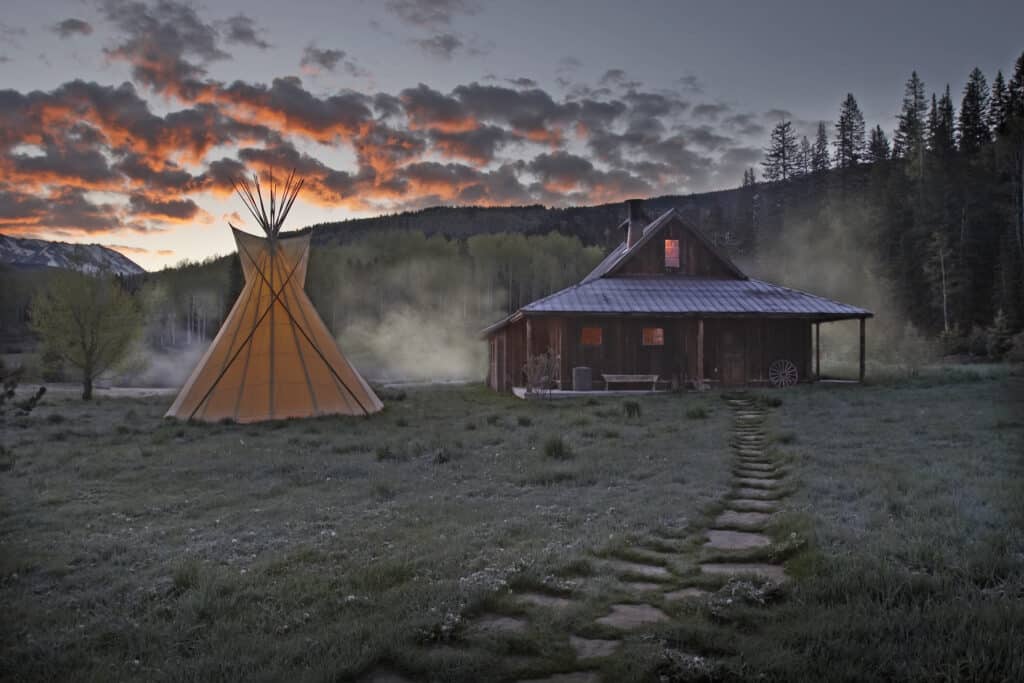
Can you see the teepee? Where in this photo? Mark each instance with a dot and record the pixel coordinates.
(273, 357)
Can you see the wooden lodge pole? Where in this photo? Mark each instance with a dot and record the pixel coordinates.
(700, 354)
(817, 350)
(863, 322)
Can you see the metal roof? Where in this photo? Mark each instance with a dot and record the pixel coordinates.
(667, 295)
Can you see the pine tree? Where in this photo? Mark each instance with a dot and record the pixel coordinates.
(803, 157)
(749, 178)
(908, 142)
(941, 127)
(780, 157)
(1015, 91)
(878, 146)
(849, 143)
(819, 151)
(998, 105)
(973, 129)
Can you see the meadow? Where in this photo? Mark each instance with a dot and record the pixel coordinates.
(135, 548)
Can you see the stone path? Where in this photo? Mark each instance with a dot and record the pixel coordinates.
(648, 579)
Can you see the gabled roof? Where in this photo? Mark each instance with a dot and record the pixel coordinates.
(620, 255)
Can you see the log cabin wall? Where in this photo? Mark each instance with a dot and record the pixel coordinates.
(694, 258)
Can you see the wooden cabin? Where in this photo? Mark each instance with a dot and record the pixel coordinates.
(666, 305)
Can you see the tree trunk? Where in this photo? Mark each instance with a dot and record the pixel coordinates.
(87, 385)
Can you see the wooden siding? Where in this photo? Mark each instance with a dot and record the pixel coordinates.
(737, 351)
(694, 258)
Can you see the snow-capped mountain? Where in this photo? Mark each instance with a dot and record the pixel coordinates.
(88, 258)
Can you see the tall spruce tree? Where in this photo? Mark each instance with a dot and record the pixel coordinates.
(942, 127)
(878, 146)
(820, 160)
(849, 141)
(780, 156)
(998, 105)
(908, 142)
(973, 128)
(803, 157)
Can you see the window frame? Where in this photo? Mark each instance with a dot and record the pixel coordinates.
(678, 255)
(583, 336)
(658, 334)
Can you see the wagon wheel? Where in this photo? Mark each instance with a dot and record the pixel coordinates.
(782, 373)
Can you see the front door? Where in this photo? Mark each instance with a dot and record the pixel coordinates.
(732, 366)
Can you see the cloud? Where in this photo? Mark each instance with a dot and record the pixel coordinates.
(430, 13)
(241, 30)
(710, 111)
(316, 60)
(442, 46)
(142, 207)
(71, 27)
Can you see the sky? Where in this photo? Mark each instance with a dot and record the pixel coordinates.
(124, 122)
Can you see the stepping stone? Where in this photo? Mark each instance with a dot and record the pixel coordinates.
(757, 475)
(761, 466)
(686, 594)
(766, 484)
(742, 520)
(772, 572)
(642, 586)
(385, 676)
(627, 616)
(722, 539)
(592, 648)
(574, 677)
(751, 452)
(648, 571)
(496, 624)
(759, 494)
(544, 600)
(654, 554)
(741, 504)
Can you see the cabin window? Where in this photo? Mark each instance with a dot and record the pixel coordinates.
(654, 336)
(590, 336)
(672, 253)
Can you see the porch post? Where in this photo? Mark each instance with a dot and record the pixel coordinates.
(564, 371)
(700, 354)
(862, 325)
(529, 340)
(817, 350)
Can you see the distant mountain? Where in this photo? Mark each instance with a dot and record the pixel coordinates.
(87, 258)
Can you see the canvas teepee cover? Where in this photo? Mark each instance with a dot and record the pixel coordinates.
(273, 357)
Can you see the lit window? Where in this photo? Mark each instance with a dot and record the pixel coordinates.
(654, 336)
(671, 253)
(590, 336)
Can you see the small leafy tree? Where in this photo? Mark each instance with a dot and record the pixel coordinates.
(541, 371)
(91, 321)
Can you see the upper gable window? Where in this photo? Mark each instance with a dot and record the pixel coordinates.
(672, 254)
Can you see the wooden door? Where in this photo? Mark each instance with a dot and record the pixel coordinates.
(732, 356)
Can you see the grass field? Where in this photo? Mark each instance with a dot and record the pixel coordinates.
(133, 548)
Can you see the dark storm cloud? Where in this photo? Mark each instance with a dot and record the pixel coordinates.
(162, 42)
(64, 210)
(705, 136)
(710, 111)
(71, 27)
(170, 210)
(429, 108)
(744, 124)
(691, 84)
(241, 30)
(479, 145)
(522, 82)
(430, 13)
(315, 59)
(441, 46)
(776, 115)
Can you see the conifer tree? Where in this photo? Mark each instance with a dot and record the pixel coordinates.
(803, 157)
(908, 142)
(819, 151)
(849, 142)
(973, 128)
(780, 157)
(941, 127)
(998, 105)
(878, 146)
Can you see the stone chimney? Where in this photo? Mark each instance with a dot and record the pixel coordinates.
(635, 208)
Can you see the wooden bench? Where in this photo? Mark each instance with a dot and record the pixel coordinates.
(630, 379)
